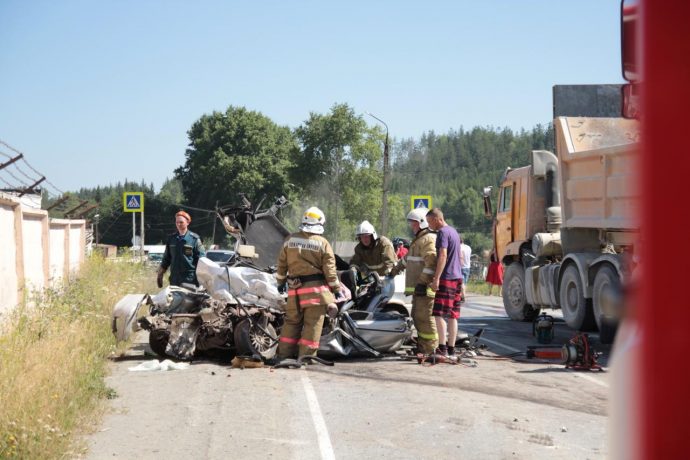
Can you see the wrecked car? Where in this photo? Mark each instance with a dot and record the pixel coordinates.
(238, 310)
(371, 324)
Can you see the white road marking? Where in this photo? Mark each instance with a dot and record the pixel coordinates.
(324, 439)
(499, 344)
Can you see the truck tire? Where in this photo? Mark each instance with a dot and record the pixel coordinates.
(514, 300)
(577, 311)
(606, 295)
(251, 341)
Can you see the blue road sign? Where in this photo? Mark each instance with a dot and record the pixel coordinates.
(133, 201)
(420, 201)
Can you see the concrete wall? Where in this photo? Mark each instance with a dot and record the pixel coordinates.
(8, 257)
(37, 251)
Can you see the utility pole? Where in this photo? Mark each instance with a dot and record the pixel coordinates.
(337, 196)
(384, 204)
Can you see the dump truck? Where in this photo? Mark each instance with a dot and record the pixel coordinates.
(566, 225)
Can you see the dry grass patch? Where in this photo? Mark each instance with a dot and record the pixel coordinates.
(53, 359)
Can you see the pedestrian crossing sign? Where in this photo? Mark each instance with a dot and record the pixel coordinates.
(420, 201)
(133, 201)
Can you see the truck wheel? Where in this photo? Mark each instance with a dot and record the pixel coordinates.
(514, 294)
(250, 341)
(577, 311)
(606, 299)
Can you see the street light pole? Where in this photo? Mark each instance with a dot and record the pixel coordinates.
(337, 197)
(384, 204)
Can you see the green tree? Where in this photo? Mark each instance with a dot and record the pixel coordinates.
(239, 151)
(340, 168)
(171, 191)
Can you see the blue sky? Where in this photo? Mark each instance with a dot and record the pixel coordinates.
(94, 92)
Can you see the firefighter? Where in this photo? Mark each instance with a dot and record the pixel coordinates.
(419, 265)
(373, 253)
(182, 252)
(307, 264)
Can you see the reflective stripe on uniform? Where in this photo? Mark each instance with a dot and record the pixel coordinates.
(428, 271)
(374, 267)
(311, 290)
(289, 340)
(308, 343)
(334, 284)
(307, 290)
(426, 336)
(281, 277)
(303, 243)
(409, 290)
(415, 259)
(316, 301)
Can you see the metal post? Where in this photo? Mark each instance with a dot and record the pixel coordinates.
(134, 231)
(142, 234)
(384, 203)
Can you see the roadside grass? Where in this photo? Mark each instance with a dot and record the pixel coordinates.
(53, 352)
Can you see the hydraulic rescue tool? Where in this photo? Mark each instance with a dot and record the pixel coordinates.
(577, 354)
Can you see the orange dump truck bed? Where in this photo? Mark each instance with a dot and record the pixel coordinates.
(598, 176)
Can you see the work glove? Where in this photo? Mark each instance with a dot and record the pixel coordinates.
(159, 279)
(420, 289)
(332, 310)
(282, 288)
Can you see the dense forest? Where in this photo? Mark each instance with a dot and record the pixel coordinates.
(333, 160)
(455, 167)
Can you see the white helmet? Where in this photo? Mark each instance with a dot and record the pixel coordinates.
(419, 215)
(365, 228)
(313, 220)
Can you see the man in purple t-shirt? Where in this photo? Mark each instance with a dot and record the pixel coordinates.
(447, 281)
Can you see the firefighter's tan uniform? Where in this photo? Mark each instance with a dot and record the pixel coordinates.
(307, 263)
(379, 258)
(419, 265)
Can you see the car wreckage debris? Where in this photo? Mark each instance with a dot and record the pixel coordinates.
(155, 365)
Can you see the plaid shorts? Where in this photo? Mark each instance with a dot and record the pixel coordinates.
(448, 297)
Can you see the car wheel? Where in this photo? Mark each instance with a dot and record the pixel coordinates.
(250, 341)
(158, 341)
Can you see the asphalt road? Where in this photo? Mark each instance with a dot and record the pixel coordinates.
(389, 408)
